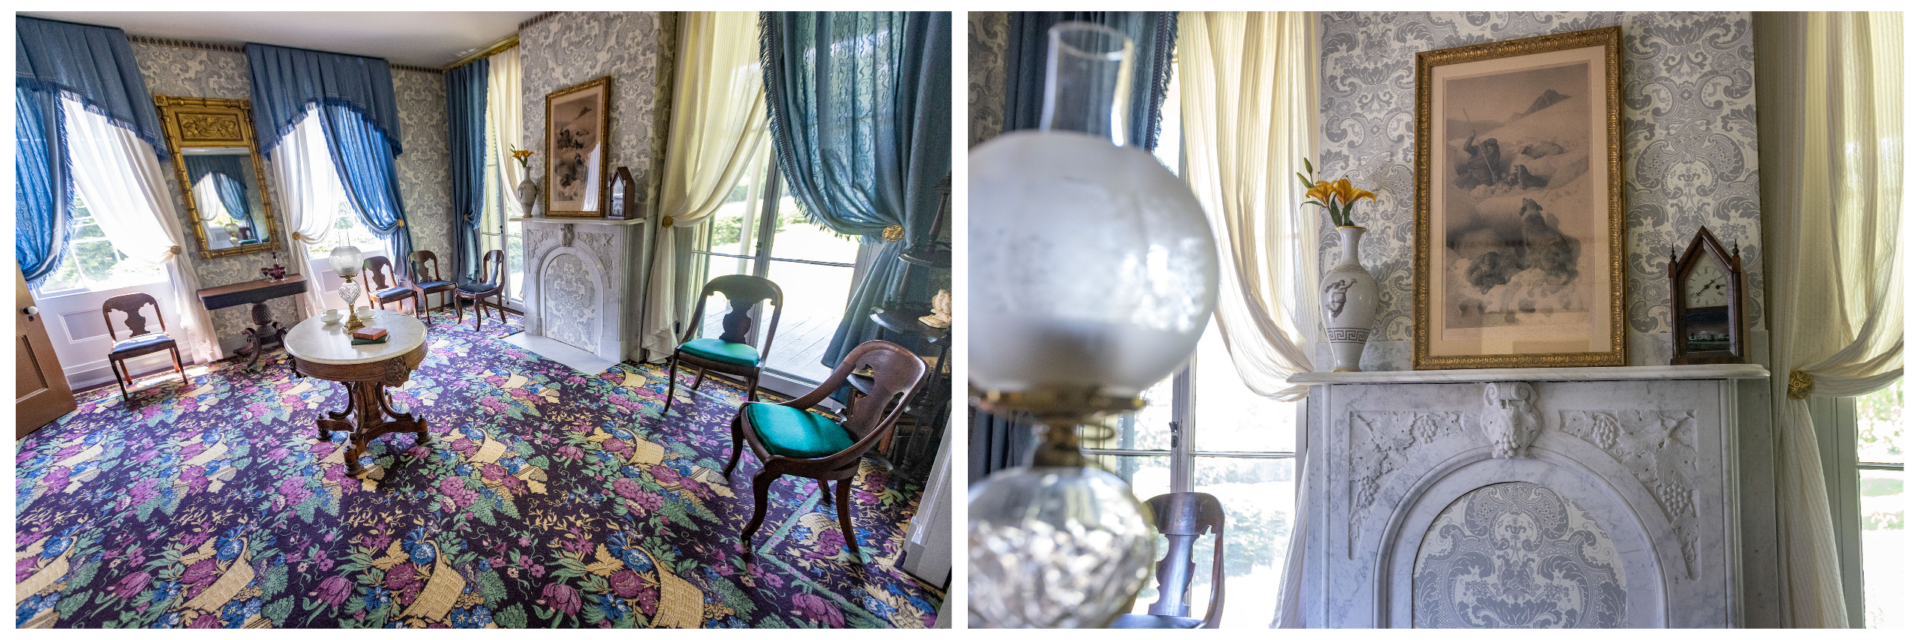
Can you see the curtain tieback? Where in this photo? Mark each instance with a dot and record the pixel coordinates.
(1799, 385)
(399, 223)
(173, 250)
(666, 221)
(297, 237)
(893, 233)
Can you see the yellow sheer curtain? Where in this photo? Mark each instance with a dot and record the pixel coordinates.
(1833, 224)
(1248, 116)
(719, 122)
(503, 116)
(1246, 106)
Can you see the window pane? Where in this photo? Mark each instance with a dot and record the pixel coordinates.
(1231, 417)
(1257, 495)
(1883, 522)
(1150, 428)
(1881, 429)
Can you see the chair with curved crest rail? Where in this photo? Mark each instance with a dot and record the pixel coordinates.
(493, 267)
(424, 285)
(789, 440)
(139, 340)
(729, 353)
(1183, 518)
(378, 271)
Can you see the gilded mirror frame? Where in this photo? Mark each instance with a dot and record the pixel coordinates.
(215, 122)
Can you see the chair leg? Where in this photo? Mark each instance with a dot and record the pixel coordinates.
(117, 379)
(183, 372)
(673, 376)
(762, 482)
(460, 314)
(843, 487)
(826, 493)
(739, 438)
(699, 379)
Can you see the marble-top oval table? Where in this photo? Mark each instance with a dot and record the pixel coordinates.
(325, 351)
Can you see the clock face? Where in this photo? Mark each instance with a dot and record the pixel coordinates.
(1706, 286)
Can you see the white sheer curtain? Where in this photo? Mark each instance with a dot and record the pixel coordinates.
(1834, 260)
(503, 114)
(1248, 117)
(309, 195)
(120, 178)
(719, 125)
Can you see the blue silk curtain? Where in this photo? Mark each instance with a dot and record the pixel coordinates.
(89, 64)
(230, 182)
(43, 187)
(93, 65)
(861, 120)
(467, 146)
(359, 118)
(1153, 35)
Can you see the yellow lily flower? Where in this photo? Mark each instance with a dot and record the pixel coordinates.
(1320, 191)
(1347, 194)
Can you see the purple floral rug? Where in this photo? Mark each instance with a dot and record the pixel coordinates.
(545, 498)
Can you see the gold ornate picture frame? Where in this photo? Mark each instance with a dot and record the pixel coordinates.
(197, 128)
(1518, 204)
(576, 148)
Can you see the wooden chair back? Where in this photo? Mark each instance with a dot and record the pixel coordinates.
(493, 268)
(742, 292)
(1183, 518)
(130, 304)
(896, 371)
(419, 259)
(379, 271)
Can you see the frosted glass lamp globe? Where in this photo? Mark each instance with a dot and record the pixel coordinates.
(1091, 265)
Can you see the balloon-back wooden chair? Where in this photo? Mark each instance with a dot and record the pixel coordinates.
(789, 440)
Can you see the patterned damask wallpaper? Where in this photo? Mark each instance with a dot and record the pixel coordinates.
(426, 187)
(203, 73)
(635, 48)
(1688, 132)
(986, 74)
(1516, 555)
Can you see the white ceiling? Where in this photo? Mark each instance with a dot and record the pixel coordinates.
(420, 38)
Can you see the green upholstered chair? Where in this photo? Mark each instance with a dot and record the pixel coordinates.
(789, 440)
(729, 354)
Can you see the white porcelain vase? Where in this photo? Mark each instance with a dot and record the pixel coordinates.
(1348, 297)
(528, 192)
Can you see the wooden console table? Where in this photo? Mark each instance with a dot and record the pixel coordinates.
(326, 352)
(265, 331)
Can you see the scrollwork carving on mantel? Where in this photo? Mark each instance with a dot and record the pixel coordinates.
(1661, 450)
(1380, 441)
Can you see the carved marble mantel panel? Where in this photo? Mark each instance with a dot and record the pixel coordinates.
(581, 286)
(1647, 461)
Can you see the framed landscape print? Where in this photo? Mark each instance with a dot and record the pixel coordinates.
(1517, 204)
(577, 149)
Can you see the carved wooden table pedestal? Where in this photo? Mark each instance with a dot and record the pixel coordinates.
(265, 331)
(325, 351)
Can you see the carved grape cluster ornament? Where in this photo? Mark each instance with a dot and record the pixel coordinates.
(1509, 418)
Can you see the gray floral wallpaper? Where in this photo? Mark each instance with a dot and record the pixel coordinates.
(205, 73)
(986, 74)
(426, 187)
(574, 47)
(1692, 154)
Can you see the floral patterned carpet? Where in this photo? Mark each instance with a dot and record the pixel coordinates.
(543, 499)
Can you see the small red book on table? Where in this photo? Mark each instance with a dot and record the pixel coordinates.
(369, 333)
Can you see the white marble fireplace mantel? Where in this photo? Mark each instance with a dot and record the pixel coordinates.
(581, 290)
(1575, 497)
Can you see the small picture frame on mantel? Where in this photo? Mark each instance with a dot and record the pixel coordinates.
(1709, 303)
(620, 195)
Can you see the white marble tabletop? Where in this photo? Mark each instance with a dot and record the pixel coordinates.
(315, 341)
